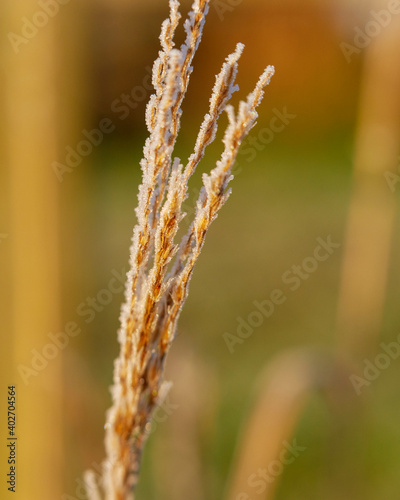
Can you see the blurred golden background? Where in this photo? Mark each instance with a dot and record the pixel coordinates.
(323, 164)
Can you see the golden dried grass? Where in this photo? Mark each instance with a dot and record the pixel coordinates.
(160, 269)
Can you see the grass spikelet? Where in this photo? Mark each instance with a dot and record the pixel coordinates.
(161, 268)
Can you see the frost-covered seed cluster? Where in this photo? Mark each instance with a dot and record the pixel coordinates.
(160, 268)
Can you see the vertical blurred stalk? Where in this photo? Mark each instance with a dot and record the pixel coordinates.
(284, 390)
(31, 123)
(6, 361)
(372, 211)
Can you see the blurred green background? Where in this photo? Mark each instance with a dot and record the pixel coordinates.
(297, 186)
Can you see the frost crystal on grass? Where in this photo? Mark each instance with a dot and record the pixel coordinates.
(161, 268)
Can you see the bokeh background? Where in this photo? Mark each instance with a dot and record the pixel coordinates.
(332, 170)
